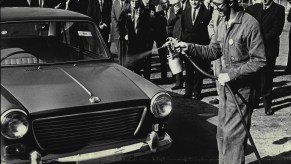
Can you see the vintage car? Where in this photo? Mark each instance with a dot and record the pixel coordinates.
(63, 99)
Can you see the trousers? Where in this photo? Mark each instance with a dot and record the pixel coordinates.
(231, 135)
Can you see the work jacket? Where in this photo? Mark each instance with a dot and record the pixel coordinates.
(240, 46)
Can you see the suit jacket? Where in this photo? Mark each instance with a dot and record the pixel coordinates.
(115, 13)
(161, 23)
(103, 16)
(138, 39)
(272, 23)
(174, 22)
(197, 32)
(80, 6)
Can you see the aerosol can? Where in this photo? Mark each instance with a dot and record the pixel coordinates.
(174, 61)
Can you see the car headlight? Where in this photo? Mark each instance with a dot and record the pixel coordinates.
(14, 124)
(161, 105)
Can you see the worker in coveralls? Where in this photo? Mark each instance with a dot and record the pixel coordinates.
(239, 43)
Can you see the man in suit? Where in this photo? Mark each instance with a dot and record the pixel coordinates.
(134, 28)
(100, 11)
(271, 17)
(160, 33)
(174, 30)
(194, 23)
(117, 7)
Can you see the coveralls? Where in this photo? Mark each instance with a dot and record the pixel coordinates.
(242, 50)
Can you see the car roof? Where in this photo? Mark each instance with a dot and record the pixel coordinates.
(9, 14)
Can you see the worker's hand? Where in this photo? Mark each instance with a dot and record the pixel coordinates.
(223, 78)
(126, 37)
(181, 47)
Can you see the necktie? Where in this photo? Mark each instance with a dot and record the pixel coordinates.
(136, 15)
(166, 14)
(101, 4)
(193, 17)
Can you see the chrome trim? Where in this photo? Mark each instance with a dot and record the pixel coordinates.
(153, 99)
(141, 121)
(153, 141)
(35, 158)
(140, 148)
(11, 110)
(104, 111)
(6, 113)
(79, 83)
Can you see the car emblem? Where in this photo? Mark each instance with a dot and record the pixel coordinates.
(94, 99)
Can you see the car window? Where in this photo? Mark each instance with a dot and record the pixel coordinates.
(44, 42)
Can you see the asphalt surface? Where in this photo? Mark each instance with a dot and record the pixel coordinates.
(192, 124)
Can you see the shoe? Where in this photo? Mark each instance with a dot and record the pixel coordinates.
(269, 112)
(186, 95)
(214, 101)
(176, 87)
(197, 97)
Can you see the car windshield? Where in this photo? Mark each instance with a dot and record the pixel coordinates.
(49, 42)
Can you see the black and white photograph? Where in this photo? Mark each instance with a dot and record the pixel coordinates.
(145, 81)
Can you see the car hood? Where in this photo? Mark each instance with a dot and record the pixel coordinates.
(64, 87)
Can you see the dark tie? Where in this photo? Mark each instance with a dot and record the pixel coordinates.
(101, 5)
(193, 17)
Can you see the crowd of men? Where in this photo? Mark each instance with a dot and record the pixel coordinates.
(243, 42)
(134, 25)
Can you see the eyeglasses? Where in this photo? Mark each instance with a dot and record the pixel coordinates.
(218, 6)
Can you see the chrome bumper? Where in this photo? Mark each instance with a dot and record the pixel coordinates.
(152, 144)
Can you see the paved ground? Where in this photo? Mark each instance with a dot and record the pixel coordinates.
(272, 134)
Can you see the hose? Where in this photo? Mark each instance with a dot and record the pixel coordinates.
(237, 106)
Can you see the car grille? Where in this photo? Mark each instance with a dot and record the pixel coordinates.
(72, 132)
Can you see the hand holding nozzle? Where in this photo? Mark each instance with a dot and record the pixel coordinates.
(181, 47)
(175, 46)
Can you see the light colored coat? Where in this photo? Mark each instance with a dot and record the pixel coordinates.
(115, 13)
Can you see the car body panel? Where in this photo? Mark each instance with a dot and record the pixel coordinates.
(76, 108)
(62, 87)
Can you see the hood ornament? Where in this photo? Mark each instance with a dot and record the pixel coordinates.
(94, 99)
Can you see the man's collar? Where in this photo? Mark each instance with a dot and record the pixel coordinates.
(238, 18)
(197, 9)
(268, 6)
